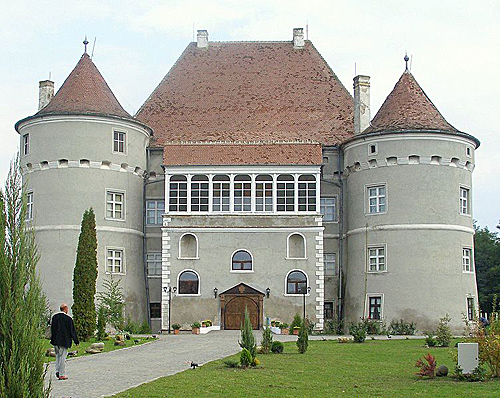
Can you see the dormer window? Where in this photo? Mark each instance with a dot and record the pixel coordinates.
(119, 138)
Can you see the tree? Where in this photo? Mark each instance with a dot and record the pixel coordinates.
(84, 278)
(303, 340)
(487, 260)
(113, 302)
(247, 336)
(21, 303)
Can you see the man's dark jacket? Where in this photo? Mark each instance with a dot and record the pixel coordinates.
(63, 330)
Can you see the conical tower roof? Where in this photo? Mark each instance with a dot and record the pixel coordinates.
(408, 108)
(85, 92)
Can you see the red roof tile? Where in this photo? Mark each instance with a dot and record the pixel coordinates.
(241, 153)
(85, 91)
(234, 91)
(408, 108)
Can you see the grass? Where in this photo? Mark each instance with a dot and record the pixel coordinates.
(108, 346)
(328, 369)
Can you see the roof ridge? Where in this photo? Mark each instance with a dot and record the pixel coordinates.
(243, 142)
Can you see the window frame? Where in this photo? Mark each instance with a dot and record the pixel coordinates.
(150, 312)
(223, 183)
(464, 188)
(26, 144)
(334, 264)
(148, 261)
(29, 205)
(471, 311)
(118, 142)
(377, 247)
(178, 198)
(329, 302)
(178, 284)
(267, 185)
(470, 259)
(114, 192)
(368, 197)
(157, 217)
(368, 305)
(374, 144)
(284, 190)
(122, 258)
(242, 271)
(199, 193)
(286, 283)
(335, 213)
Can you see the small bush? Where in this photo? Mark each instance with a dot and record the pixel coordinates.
(429, 339)
(231, 363)
(267, 340)
(333, 327)
(427, 368)
(478, 374)
(310, 326)
(196, 325)
(373, 326)
(132, 327)
(144, 328)
(277, 347)
(402, 328)
(443, 332)
(358, 332)
(245, 358)
(303, 340)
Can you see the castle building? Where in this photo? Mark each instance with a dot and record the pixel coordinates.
(252, 179)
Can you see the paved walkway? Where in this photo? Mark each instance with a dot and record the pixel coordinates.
(112, 372)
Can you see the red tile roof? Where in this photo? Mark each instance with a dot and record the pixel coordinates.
(85, 91)
(232, 91)
(242, 153)
(408, 108)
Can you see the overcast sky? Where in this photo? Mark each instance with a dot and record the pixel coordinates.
(454, 45)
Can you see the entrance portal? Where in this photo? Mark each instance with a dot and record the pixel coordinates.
(233, 303)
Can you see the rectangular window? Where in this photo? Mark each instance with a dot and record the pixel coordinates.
(286, 196)
(29, 206)
(264, 196)
(153, 262)
(376, 199)
(470, 308)
(307, 193)
(242, 196)
(154, 211)
(375, 307)
(221, 196)
(115, 202)
(330, 262)
(467, 260)
(376, 259)
(26, 144)
(199, 196)
(328, 309)
(119, 141)
(114, 261)
(464, 201)
(155, 310)
(328, 207)
(178, 195)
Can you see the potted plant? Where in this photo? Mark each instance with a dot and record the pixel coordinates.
(206, 323)
(195, 327)
(284, 328)
(176, 328)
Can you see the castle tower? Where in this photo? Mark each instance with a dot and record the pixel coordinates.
(83, 150)
(409, 216)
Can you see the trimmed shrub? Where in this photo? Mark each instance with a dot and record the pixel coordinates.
(303, 340)
(267, 340)
(277, 347)
(247, 337)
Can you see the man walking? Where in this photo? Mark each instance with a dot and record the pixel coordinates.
(63, 333)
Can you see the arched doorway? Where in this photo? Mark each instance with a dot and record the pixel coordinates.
(233, 304)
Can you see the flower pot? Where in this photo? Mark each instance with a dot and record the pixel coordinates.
(195, 330)
(176, 331)
(296, 332)
(284, 331)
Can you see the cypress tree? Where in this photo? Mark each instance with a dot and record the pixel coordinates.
(84, 278)
(21, 302)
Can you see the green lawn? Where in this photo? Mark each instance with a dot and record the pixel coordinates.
(108, 346)
(328, 369)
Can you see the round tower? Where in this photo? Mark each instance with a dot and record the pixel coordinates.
(82, 150)
(409, 215)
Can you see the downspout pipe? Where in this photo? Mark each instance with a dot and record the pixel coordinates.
(340, 298)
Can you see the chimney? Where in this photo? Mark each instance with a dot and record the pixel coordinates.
(361, 103)
(45, 93)
(202, 39)
(298, 38)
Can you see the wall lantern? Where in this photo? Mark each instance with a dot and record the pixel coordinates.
(267, 292)
(215, 292)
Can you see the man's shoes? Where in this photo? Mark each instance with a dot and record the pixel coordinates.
(62, 377)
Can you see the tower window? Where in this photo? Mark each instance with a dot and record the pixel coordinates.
(115, 203)
(470, 308)
(26, 144)
(467, 260)
(376, 259)
(372, 149)
(114, 261)
(464, 201)
(29, 206)
(376, 199)
(119, 141)
(375, 307)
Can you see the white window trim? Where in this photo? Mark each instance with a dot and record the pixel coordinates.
(288, 247)
(469, 200)
(241, 271)
(199, 284)
(470, 296)
(367, 305)
(122, 249)
(296, 294)
(32, 206)
(124, 211)
(376, 246)
(179, 257)
(370, 144)
(24, 146)
(335, 265)
(164, 210)
(147, 269)
(125, 144)
(336, 208)
(155, 302)
(471, 260)
(367, 202)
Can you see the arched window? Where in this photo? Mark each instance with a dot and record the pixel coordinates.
(307, 193)
(188, 246)
(189, 283)
(178, 193)
(296, 246)
(221, 193)
(199, 193)
(296, 282)
(286, 193)
(242, 261)
(242, 193)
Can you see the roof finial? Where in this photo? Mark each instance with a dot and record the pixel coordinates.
(85, 42)
(406, 61)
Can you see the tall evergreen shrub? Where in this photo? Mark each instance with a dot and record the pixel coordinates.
(84, 278)
(113, 302)
(303, 340)
(247, 336)
(21, 303)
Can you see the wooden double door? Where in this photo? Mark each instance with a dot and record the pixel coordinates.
(234, 302)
